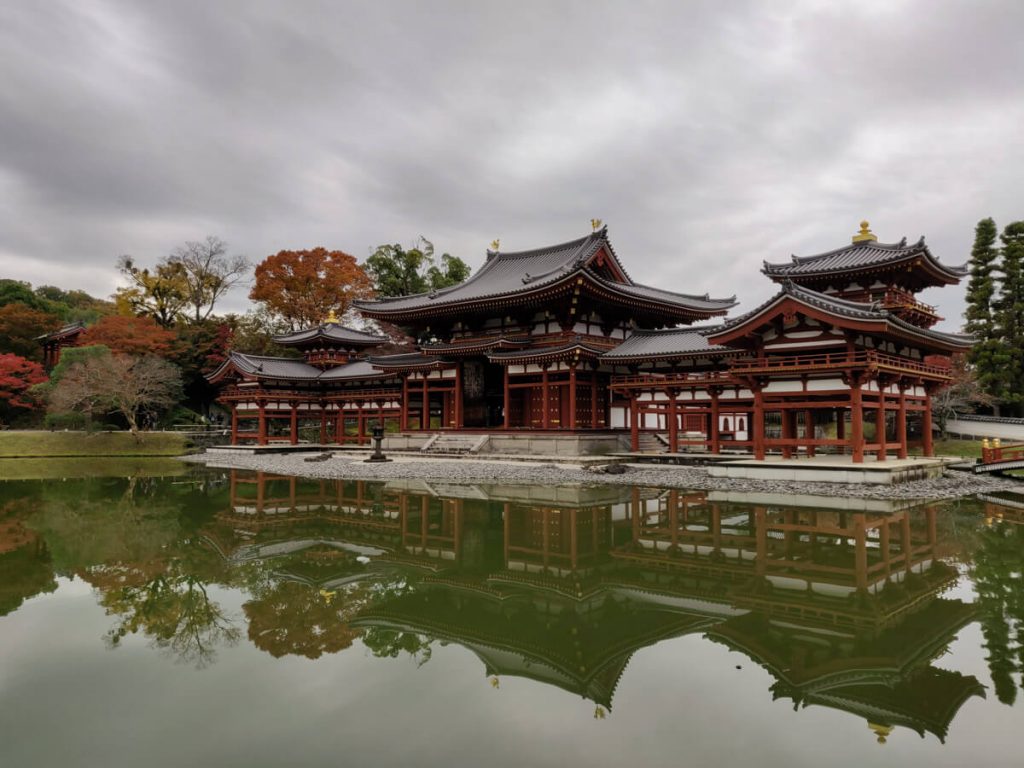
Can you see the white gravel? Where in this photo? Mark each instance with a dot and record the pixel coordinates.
(351, 466)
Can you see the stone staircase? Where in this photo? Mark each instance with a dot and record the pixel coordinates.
(454, 444)
(652, 442)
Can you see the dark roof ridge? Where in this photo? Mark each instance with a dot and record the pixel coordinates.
(601, 234)
(706, 296)
(250, 356)
(850, 246)
(701, 329)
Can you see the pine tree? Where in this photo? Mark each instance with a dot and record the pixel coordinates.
(1010, 316)
(980, 313)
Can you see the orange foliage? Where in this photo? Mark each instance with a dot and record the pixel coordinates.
(130, 336)
(304, 286)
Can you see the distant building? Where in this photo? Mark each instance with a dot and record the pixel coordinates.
(53, 343)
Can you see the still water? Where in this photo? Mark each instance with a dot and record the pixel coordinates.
(202, 617)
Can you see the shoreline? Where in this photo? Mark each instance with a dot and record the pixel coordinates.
(350, 466)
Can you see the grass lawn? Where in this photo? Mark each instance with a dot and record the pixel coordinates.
(42, 444)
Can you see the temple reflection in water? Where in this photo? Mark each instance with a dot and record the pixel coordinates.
(564, 585)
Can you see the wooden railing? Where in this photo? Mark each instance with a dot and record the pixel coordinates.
(657, 380)
(996, 452)
(864, 358)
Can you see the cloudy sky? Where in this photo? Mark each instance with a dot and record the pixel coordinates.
(710, 136)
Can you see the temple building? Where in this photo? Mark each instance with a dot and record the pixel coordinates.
(558, 350)
(52, 343)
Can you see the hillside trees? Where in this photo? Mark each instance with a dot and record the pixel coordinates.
(303, 287)
(21, 326)
(131, 335)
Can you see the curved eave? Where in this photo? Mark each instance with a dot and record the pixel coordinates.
(920, 256)
(473, 348)
(313, 335)
(871, 321)
(548, 353)
(411, 365)
(675, 306)
(640, 358)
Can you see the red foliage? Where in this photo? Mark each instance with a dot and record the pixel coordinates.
(130, 336)
(304, 286)
(16, 376)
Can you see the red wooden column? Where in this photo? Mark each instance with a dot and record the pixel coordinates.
(788, 431)
(545, 400)
(404, 412)
(506, 408)
(856, 422)
(901, 422)
(593, 400)
(880, 421)
(572, 396)
(634, 424)
(425, 415)
(234, 423)
(757, 424)
(673, 423)
(293, 433)
(261, 434)
(458, 396)
(809, 431)
(715, 419)
(926, 424)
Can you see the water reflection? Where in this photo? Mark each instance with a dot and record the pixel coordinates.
(846, 609)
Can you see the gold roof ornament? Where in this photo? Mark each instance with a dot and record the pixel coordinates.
(881, 731)
(495, 244)
(865, 235)
(331, 317)
(595, 224)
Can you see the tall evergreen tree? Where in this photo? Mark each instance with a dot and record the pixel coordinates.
(1010, 316)
(981, 312)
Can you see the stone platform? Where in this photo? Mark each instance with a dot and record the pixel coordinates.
(832, 469)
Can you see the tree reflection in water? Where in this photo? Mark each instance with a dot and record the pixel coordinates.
(845, 609)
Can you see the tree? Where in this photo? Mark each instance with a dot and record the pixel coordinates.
(400, 272)
(12, 291)
(208, 272)
(980, 314)
(74, 305)
(161, 294)
(963, 393)
(132, 387)
(130, 336)
(303, 287)
(20, 328)
(1010, 317)
(17, 377)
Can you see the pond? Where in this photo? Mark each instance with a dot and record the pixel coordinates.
(186, 616)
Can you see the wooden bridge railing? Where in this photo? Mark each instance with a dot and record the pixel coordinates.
(995, 452)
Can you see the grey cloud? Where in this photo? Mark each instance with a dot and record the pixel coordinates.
(710, 136)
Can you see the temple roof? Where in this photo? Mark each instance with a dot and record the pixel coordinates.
(854, 310)
(291, 369)
(861, 256)
(575, 346)
(408, 361)
(331, 332)
(670, 342)
(510, 274)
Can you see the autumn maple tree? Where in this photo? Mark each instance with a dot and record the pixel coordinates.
(17, 376)
(303, 287)
(130, 336)
(21, 326)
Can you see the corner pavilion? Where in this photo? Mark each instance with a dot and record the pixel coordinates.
(559, 342)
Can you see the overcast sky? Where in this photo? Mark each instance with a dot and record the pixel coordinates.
(708, 136)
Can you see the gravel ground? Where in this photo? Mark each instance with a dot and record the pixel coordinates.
(351, 466)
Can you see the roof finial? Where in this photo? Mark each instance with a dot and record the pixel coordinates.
(865, 235)
(595, 224)
(331, 317)
(495, 244)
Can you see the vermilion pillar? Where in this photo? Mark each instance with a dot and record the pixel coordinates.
(856, 423)
(234, 423)
(294, 431)
(261, 433)
(715, 446)
(673, 423)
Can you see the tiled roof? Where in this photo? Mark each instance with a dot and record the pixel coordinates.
(291, 369)
(71, 329)
(506, 274)
(857, 256)
(331, 332)
(550, 351)
(671, 342)
(853, 309)
(407, 360)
